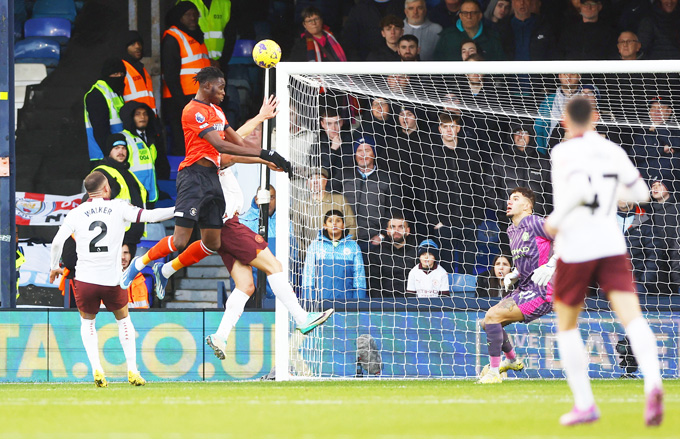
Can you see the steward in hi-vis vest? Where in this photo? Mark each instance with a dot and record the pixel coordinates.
(213, 19)
(138, 85)
(183, 54)
(146, 155)
(123, 183)
(102, 104)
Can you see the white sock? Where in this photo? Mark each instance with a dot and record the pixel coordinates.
(575, 364)
(646, 351)
(139, 265)
(284, 292)
(167, 269)
(126, 334)
(232, 312)
(89, 335)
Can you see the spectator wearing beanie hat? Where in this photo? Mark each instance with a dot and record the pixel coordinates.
(102, 104)
(428, 279)
(138, 85)
(123, 183)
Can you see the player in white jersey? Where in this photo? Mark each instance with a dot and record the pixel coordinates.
(589, 175)
(98, 227)
(241, 249)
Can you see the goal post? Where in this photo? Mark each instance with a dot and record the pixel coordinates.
(491, 104)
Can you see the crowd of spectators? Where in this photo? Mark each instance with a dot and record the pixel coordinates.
(410, 174)
(394, 175)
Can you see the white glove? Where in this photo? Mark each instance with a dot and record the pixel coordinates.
(510, 279)
(544, 273)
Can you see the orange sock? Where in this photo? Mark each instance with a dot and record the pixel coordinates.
(163, 248)
(192, 254)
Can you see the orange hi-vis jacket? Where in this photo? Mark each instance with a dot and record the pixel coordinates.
(138, 87)
(138, 294)
(194, 57)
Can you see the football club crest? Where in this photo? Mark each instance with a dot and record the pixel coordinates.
(525, 236)
(200, 118)
(193, 211)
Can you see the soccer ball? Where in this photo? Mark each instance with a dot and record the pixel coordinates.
(266, 54)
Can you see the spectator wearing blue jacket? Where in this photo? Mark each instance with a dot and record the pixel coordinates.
(334, 266)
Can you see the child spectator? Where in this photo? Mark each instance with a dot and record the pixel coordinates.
(428, 279)
(334, 266)
(490, 283)
(467, 48)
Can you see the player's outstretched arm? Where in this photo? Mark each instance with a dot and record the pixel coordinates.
(57, 247)
(136, 215)
(227, 160)
(244, 147)
(268, 111)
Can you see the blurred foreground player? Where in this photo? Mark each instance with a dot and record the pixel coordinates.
(98, 226)
(531, 247)
(589, 175)
(241, 249)
(199, 194)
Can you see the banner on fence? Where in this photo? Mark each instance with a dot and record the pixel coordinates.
(43, 209)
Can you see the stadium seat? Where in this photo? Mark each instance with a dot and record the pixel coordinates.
(169, 187)
(55, 8)
(56, 28)
(37, 50)
(29, 74)
(243, 52)
(174, 161)
(462, 282)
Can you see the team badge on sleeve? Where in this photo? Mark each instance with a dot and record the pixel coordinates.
(200, 118)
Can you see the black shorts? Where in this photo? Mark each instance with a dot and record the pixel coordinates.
(199, 198)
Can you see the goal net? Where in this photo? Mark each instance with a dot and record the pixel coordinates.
(420, 158)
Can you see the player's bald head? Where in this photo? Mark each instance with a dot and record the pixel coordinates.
(580, 111)
(94, 182)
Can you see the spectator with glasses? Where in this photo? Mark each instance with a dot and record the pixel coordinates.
(629, 46)
(469, 26)
(316, 43)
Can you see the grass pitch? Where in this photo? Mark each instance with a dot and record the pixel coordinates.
(368, 409)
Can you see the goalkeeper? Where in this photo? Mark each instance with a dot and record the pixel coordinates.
(531, 248)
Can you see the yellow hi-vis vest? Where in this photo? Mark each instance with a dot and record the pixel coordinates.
(114, 102)
(141, 159)
(212, 22)
(124, 189)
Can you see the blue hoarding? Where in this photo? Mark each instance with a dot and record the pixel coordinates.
(45, 345)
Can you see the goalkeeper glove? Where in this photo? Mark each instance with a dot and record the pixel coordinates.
(544, 273)
(276, 158)
(510, 279)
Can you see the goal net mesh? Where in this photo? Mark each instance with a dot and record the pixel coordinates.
(410, 158)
